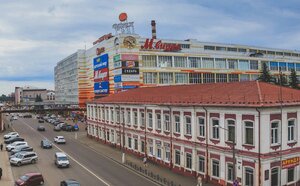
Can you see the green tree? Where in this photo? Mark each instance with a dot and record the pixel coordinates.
(293, 79)
(38, 98)
(265, 74)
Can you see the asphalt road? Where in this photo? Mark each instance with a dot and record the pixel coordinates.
(86, 166)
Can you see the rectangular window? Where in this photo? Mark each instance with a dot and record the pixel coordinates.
(229, 172)
(181, 78)
(167, 158)
(230, 130)
(274, 66)
(112, 116)
(253, 65)
(215, 168)
(291, 130)
(177, 123)
(291, 174)
(297, 66)
(221, 78)
(135, 118)
(142, 119)
(290, 66)
(282, 66)
(149, 61)
(129, 143)
(128, 117)
(242, 50)
(232, 49)
(195, 62)
(136, 146)
(194, 78)
(180, 61)
(243, 64)
(249, 132)
(233, 77)
(166, 122)
(274, 132)
(188, 160)
(220, 63)
(177, 157)
(164, 61)
(118, 116)
(150, 120)
(249, 177)
(244, 77)
(122, 116)
(142, 146)
(158, 150)
(158, 121)
(219, 48)
(232, 63)
(188, 125)
(166, 78)
(215, 129)
(201, 164)
(150, 77)
(208, 78)
(209, 47)
(201, 127)
(151, 150)
(208, 63)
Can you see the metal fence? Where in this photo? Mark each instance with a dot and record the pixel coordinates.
(151, 175)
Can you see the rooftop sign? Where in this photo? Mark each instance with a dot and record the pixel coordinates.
(159, 45)
(102, 38)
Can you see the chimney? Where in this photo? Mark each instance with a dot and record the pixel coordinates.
(153, 24)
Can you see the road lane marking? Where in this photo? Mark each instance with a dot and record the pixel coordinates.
(102, 180)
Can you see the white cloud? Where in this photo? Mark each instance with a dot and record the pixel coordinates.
(8, 87)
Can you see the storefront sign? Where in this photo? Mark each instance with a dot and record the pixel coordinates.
(129, 57)
(101, 75)
(125, 78)
(100, 51)
(117, 57)
(166, 47)
(118, 79)
(118, 64)
(130, 71)
(130, 64)
(102, 38)
(117, 71)
(118, 85)
(101, 62)
(291, 162)
(129, 87)
(101, 87)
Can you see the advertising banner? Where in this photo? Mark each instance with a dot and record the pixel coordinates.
(101, 62)
(118, 85)
(117, 57)
(101, 75)
(130, 78)
(129, 87)
(101, 87)
(129, 57)
(118, 64)
(130, 71)
(117, 71)
(130, 64)
(291, 162)
(118, 79)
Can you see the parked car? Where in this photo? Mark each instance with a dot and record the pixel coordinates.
(14, 117)
(15, 144)
(21, 159)
(56, 128)
(30, 179)
(41, 121)
(11, 135)
(11, 140)
(76, 127)
(46, 144)
(59, 139)
(27, 116)
(69, 182)
(41, 128)
(21, 148)
(61, 160)
(14, 155)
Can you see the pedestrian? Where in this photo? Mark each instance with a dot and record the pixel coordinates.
(236, 183)
(199, 181)
(145, 161)
(0, 173)
(1, 146)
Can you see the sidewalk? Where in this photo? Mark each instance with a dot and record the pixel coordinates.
(7, 176)
(116, 155)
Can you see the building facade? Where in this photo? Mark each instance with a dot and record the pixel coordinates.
(192, 130)
(27, 95)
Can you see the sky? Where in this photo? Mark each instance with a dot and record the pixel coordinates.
(36, 34)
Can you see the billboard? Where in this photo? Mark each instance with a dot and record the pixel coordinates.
(101, 87)
(101, 62)
(130, 71)
(101, 75)
(123, 78)
(127, 64)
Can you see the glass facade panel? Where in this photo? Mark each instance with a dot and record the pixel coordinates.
(149, 61)
(220, 63)
(194, 78)
(195, 62)
(221, 78)
(243, 65)
(232, 64)
(208, 63)
(165, 78)
(150, 77)
(164, 61)
(208, 78)
(181, 78)
(180, 61)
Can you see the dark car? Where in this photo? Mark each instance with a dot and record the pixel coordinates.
(30, 179)
(41, 128)
(46, 144)
(25, 148)
(11, 140)
(69, 182)
(70, 128)
(27, 116)
(41, 121)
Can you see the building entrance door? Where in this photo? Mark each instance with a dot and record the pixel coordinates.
(275, 177)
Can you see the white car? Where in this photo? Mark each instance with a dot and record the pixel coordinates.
(11, 135)
(59, 139)
(15, 118)
(15, 144)
(61, 160)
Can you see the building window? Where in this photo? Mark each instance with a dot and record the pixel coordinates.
(208, 63)
(232, 63)
(189, 160)
(220, 63)
(158, 121)
(135, 118)
(291, 130)
(166, 122)
(118, 116)
(244, 77)
(122, 116)
(201, 164)
(215, 129)
(221, 78)
(181, 78)
(291, 66)
(195, 62)
(142, 146)
(249, 132)
(230, 130)
(164, 61)
(188, 125)
(233, 77)
(297, 66)
(275, 177)
(150, 120)
(274, 66)
(230, 170)
(291, 174)
(149, 61)
(274, 133)
(282, 66)
(167, 158)
(194, 78)
(150, 77)
(177, 123)
(180, 61)
(208, 78)
(129, 143)
(221, 48)
(253, 65)
(249, 177)
(112, 116)
(215, 168)
(201, 127)
(166, 78)
(242, 50)
(209, 47)
(142, 119)
(243, 65)
(158, 150)
(128, 118)
(232, 49)
(151, 151)
(177, 157)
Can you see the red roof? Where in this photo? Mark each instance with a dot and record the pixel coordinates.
(240, 94)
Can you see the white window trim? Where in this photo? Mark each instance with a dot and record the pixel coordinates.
(211, 127)
(211, 168)
(185, 159)
(198, 126)
(295, 130)
(244, 174)
(185, 125)
(279, 133)
(198, 156)
(227, 132)
(175, 115)
(244, 132)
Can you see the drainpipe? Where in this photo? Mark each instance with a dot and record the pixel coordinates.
(259, 159)
(119, 123)
(145, 122)
(171, 138)
(206, 144)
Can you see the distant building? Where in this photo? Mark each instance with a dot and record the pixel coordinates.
(192, 128)
(27, 95)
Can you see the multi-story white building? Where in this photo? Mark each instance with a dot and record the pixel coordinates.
(192, 130)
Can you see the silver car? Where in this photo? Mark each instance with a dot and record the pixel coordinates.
(20, 159)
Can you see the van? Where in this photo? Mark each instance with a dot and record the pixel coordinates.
(61, 160)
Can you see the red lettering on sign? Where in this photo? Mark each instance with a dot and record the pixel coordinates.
(102, 38)
(167, 47)
(100, 50)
